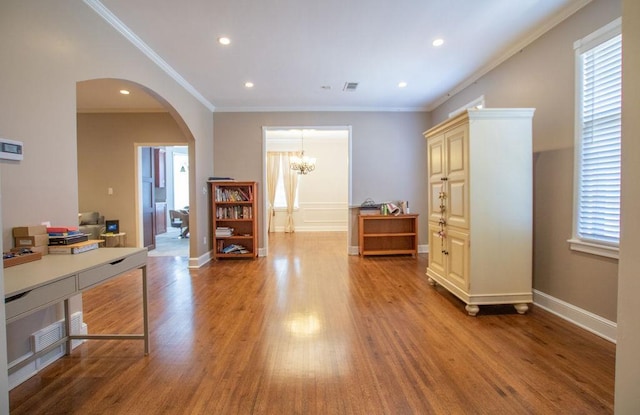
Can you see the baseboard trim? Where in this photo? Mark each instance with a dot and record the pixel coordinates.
(582, 318)
(195, 263)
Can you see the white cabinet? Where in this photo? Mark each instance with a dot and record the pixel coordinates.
(481, 205)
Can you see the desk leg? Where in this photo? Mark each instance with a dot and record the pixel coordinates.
(145, 310)
(67, 325)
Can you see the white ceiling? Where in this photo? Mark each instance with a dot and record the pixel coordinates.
(291, 49)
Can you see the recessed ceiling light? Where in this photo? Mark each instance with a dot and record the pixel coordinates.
(402, 84)
(124, 92)
(438, 42)
(248, 84)
(223, 40)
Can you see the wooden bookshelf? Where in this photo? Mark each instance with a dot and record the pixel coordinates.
(234, 207)
(388, 234)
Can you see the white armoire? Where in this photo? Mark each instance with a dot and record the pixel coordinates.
(480, 206)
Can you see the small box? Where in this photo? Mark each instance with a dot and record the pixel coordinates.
(27, 241)
(29, 230)
(21, 259)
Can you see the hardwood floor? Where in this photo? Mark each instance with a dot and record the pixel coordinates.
(310, 330)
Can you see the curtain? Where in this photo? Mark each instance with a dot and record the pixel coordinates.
(290, 180)
(273, 168)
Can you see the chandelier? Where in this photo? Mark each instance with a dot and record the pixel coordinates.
(301, 163)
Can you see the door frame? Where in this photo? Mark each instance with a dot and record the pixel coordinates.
(264, 251)
(137, 148)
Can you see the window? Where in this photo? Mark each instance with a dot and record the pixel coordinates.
(280, 201)
(596, 227)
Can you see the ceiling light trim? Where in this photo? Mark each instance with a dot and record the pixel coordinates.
(540, 30)
(117, 24)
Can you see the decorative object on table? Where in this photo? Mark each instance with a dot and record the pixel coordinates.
(112, 226)
(114, 240)
(369, 207)
(22, 256)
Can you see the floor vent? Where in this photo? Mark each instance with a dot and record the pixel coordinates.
(47, 336)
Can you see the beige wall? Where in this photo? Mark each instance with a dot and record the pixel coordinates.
(542, 76)
(106, 159)
(47, 47)
(388, 152)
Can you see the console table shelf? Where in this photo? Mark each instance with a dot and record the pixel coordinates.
(388, 234)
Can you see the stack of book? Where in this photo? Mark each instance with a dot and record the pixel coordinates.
(224, 231)
(65, 236)
(76, 248)
(234, 249)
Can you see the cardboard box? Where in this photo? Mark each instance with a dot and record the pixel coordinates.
(29, 230)
(27, 241)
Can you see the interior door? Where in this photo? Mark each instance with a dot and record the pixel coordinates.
(148, 199)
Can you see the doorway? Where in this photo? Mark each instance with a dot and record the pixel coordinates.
(167, 190)
(323, 196)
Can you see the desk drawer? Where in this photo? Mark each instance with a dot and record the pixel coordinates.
(40, 297)
(99, 274)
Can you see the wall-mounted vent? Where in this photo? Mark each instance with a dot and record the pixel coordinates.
(350, 86)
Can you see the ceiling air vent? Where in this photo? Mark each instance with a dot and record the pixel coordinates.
(350, 86)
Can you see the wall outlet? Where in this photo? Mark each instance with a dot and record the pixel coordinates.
(204, 240)
(110, 191)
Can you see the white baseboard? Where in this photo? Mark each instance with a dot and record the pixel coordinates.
(576, 315)
(195, 263)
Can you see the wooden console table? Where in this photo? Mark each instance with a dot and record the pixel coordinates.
(56, 278)
(388, 234)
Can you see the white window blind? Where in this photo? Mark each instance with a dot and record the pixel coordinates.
(598, 143)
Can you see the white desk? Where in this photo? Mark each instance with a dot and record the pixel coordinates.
(56, 278)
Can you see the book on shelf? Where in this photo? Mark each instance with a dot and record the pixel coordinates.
(234, 194)
(234, 249)
(224, 231)
(234, 212)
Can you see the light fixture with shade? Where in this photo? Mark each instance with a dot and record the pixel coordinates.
(301, 163)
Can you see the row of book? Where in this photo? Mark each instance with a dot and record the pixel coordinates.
(234, 212)
(235, 194)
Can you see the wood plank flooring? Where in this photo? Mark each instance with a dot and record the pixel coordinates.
(311, 330)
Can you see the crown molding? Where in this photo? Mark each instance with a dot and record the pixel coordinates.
(117, 24)
(320, 109)
(516, 48)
